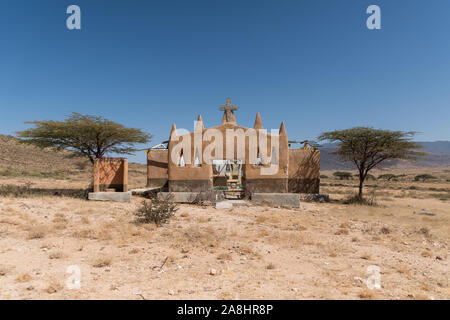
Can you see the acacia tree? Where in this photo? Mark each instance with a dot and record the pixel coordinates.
(368, 147)
(90, 136)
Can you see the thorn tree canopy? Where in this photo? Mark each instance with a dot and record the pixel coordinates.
(368, 147)
(91, 136)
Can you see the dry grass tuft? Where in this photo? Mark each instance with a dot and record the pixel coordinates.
(3, 271)
(24, 277)
(426, 254)
(341, 232)
(270, 266)
(37, 232)
(225, 256)
(134, 251)
(366, 294)
(56, 255)
(425, 231)
(206, 237)
(366, 256)
(102, 262)
(53, 287)
(261, 219)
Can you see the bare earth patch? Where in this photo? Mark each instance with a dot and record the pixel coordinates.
(320, 251)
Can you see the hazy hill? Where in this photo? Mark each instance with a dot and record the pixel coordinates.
(24, 160)
(21, 160)
(438, 156)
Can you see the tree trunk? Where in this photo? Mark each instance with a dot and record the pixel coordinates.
(361, 181)
(362, 177)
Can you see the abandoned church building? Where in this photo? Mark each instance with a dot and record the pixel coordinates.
(242, 165)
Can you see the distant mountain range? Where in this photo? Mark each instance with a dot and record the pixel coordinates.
(438, 155)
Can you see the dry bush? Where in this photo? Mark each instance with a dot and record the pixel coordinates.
(270, 266)
(263, 233)
(37, 232)
(425, 231)
(341, 232)
(366, 256)
(134, 251)
(3, 271)
(246, 250)
(385, 230)
(204, 237)
(426, 254)
(404, 270)
(24, 277)
(366, 294)
(56, 255)
(357, 200)
(345, 225)
(225, 256)
(261, 219)
(157, 211)
(84, 234)
(53, 287)
(102, 262)
(202, 219)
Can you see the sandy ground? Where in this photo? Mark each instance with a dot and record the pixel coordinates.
(320, 251)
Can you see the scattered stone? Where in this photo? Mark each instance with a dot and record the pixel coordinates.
(224, 205)
(239, 203)
(315, 197)
(171, 292)
(212, 271)
(110, 196)
(425, 213)
(278, 199)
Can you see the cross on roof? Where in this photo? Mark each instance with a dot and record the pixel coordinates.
(228, 108)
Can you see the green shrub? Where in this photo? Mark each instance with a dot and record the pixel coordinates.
(368, 176)
(387, 176)
(356, 199)
(441, 196)
(323, 176)
(424, 177)
(343, 175)
(26, 191)
(157, 210)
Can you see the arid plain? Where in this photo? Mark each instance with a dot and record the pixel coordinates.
(318, 251)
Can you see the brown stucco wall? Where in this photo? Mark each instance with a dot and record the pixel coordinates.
(111, 173)
(304, 171)
(297, 170)
(157, 168)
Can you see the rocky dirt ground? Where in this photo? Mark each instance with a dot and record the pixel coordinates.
(319, 251)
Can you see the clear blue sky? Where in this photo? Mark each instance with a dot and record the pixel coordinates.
(148, 64)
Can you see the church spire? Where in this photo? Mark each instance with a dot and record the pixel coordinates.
(258, 123)
(283, 130)
(173, 132)
(199, 124)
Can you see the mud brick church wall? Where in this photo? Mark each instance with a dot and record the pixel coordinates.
(157, 168)
(304, 171)
(111, 173)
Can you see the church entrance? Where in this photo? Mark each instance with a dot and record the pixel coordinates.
(227, 176)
